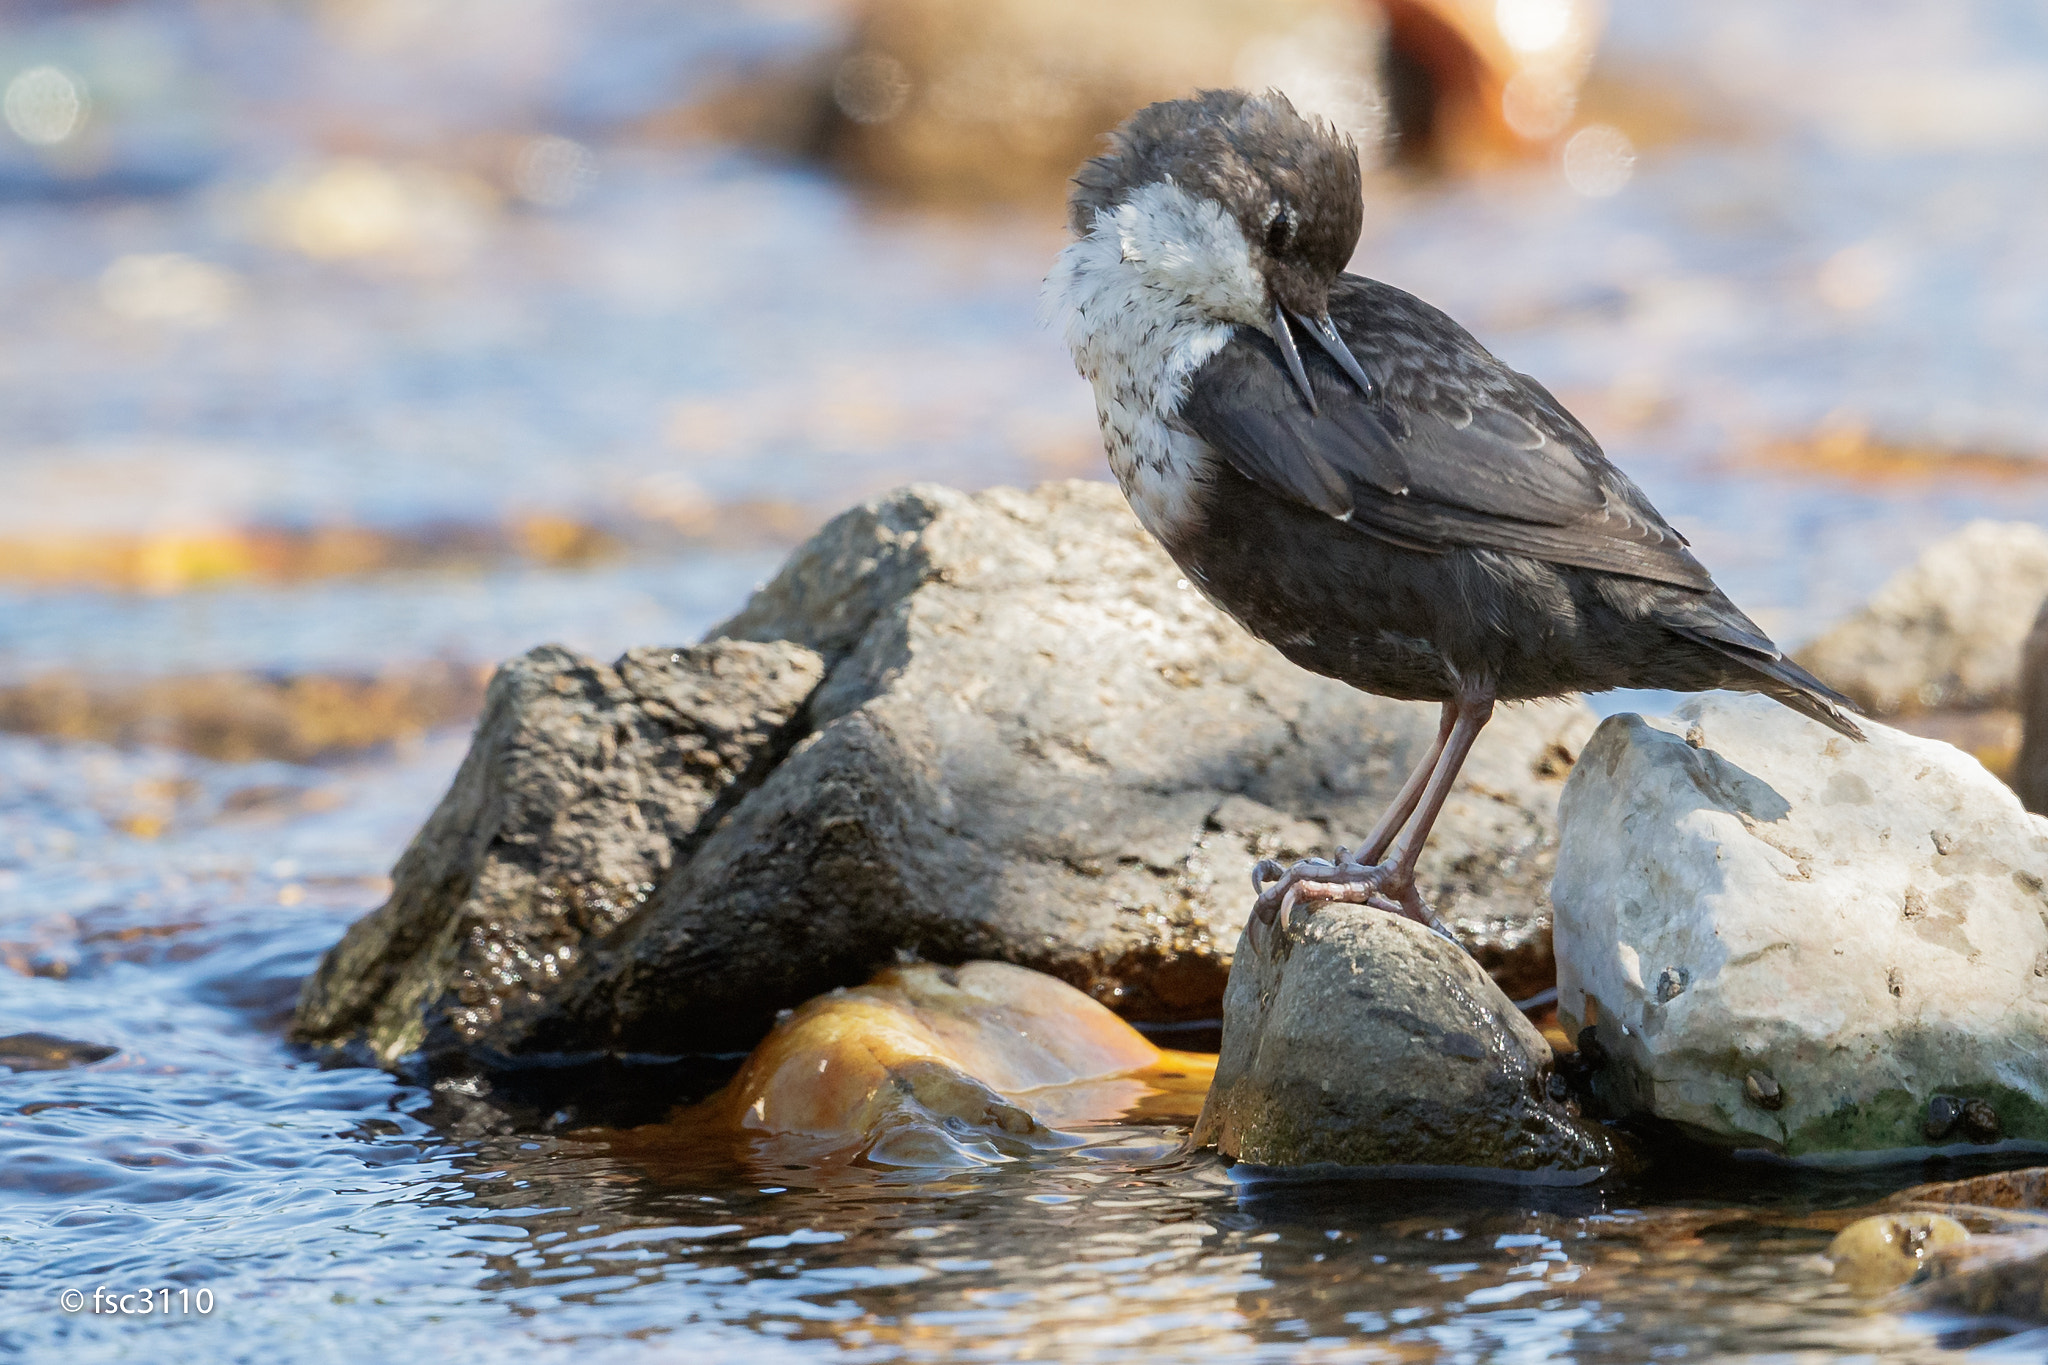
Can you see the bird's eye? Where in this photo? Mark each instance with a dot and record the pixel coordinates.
(1279, 230)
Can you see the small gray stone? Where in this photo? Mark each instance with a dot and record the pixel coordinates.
(1361, 1039)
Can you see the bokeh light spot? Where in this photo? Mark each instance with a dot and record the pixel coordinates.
(1599, 160)
(44, 105)
(1538, 104)
(871, 87)
(1530, 26)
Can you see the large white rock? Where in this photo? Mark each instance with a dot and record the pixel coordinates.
(1793, 942)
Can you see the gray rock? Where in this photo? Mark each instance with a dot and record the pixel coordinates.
(1359, 1038)
(583, 786)
(1792, 942)
(1032, 742)
(2030, 769)
(1946, 632)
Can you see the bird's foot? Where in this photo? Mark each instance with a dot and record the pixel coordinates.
(1317, 881)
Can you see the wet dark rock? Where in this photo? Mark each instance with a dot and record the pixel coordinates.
(47, 1052)
(1862, 930)
(1000, 726)
(1950, 1117)
(1357, 1038)
(1942, 1113)
(2030, 768)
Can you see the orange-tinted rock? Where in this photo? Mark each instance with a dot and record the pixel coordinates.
(928, 1065)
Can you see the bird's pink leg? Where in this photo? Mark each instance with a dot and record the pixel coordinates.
(1389, 884)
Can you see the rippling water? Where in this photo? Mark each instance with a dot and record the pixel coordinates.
(1834, 237)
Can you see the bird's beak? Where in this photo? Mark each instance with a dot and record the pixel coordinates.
(1284, 335)
(1325, 333)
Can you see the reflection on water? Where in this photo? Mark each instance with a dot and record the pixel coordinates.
(288, 270)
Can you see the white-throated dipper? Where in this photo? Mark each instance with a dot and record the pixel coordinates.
(1389, 506)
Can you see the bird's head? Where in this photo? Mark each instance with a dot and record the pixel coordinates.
(1236, 203)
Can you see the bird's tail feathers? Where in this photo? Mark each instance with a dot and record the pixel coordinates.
(1784, 681)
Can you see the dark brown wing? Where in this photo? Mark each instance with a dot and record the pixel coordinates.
(1453, 448)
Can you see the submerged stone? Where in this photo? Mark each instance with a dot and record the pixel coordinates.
(1861, 931)
(1356, 1038)
(936, 1066)
(1884, 1251)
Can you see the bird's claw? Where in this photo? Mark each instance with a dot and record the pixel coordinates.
(1319, 880)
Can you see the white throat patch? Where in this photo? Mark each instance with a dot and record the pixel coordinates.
(1142, 301)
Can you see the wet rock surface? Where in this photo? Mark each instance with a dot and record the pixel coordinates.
(1357, 1038)
(1945, 633)
(1000, 726)
(1791, 942)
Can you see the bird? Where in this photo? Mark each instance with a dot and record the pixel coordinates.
(1352, 477)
